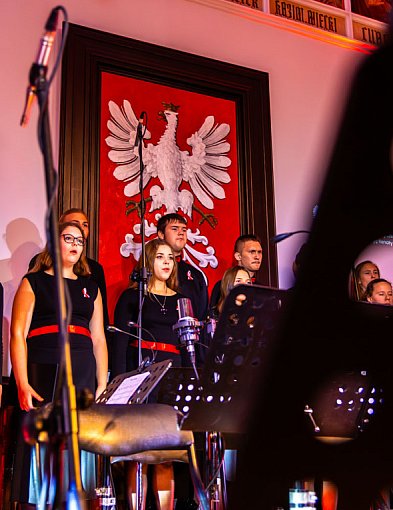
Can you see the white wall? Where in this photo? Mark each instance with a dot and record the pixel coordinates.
(309, 77)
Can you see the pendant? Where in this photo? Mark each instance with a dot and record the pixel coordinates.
(164, 310)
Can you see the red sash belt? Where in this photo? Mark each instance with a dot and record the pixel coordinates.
(157, 346)
(44, 330)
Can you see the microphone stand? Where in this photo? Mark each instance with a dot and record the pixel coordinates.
(188, 331)
(142, 277)
(142, 286)
(65, 395)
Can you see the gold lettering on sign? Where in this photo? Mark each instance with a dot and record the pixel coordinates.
(311, 17)
(368, 34)
(254, 4)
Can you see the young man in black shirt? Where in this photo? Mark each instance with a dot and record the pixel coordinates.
(248, 253)
(173, 229)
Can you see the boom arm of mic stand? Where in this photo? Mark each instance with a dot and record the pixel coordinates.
(281, 237)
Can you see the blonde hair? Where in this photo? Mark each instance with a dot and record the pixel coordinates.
(44, 259)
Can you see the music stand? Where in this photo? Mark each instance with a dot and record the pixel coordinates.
(129, 388)
(343, 405)
(238, 358)
(134, 387)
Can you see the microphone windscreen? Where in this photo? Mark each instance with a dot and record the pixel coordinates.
(185, 308)
(51, 23)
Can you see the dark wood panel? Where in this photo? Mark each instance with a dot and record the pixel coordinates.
(90, 52)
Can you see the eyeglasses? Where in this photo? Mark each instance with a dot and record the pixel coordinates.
(70, 239)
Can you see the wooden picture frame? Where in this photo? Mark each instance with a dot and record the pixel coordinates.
(90, 52)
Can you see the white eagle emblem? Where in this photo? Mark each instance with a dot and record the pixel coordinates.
(204, 169)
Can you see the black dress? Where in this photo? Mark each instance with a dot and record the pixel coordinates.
(98, 275)
(43, 355)
(156, 319)
(46, 348)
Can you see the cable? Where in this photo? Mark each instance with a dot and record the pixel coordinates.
(221, 457)
(136, 325)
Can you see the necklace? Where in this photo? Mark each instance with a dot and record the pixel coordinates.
(162, 305)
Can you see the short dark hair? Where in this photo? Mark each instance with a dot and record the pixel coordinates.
(73, 210)
(243, 239)
(169, 218)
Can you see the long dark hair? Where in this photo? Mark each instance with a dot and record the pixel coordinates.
(44, 260)
(227, 284)
(359, 293)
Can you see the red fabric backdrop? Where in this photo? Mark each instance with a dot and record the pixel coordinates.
(115, 224)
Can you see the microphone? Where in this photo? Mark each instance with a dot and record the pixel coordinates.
(141, 117)
(280, 237)
(139, 134)
(40, 65)
(146, 361)
(187, 328)
(114, 329)
(133, 324)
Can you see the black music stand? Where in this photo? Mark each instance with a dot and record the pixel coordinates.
(134, 387)
(238, 358)
(237, 361)
(128, 388)
(343, 406)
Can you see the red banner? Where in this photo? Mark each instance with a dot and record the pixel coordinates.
(212, 231)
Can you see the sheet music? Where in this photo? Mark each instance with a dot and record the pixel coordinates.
(127, 388)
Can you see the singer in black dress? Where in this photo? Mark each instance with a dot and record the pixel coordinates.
(35, 359)
(159, 314)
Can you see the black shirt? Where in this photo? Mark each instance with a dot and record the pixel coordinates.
(97, 274)
(192, 285)
(157, 326)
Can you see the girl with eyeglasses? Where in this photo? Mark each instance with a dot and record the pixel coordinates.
(35, 347)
